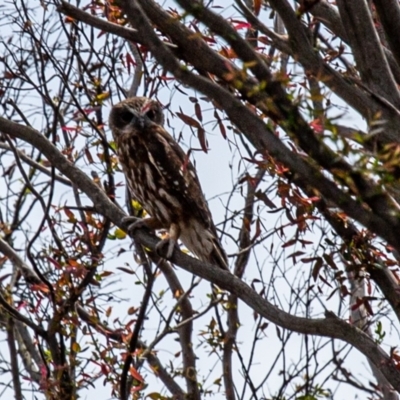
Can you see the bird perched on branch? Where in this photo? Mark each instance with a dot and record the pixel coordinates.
(163, 180)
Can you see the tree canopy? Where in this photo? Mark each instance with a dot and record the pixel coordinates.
(290, 112)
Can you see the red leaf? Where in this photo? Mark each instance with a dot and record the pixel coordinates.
(317, 268)
(228, 52)
(197, 110)
(54, 262)
(317, 125)
(201, 134)
(69, 214)
(88, 156)
(40, 287)
(129, 61)
(329, 260)
(69, 129)
(188, 120)
(258, 230)
(220, 124)
(242, 25)
(289, 243)
(136, 374)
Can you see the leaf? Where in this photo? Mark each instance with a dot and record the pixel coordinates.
(69, 129)
(74, 263)
(136, 374)
(197, 110)
(155, 396)
(102, 96)
(132, 310)
(129, 62)
(295, 254)
(242, 25)
(289, 243)
(333, 292)
(120, 234)
(40, 287)
(228, 52)
(217, 382)
(54, 262)
(70, 215)
(128, 271)
(278, 332)
(201, 134)
(2, 278)
(220, 124)
(264, 198)
(188, 120)
(88, 156)
(317, 126)
(317, 267)
(264, 326)
(329, 260)
(258, 230)
(69, 20)
(137, 207)
(75, 347)
(257, 6)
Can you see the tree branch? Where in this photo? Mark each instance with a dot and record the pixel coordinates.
(367, 50)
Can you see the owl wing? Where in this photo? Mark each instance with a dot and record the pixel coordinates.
(177, 173)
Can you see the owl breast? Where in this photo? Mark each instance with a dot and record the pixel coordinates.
(145, 181)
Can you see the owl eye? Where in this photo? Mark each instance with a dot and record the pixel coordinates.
(126, 117)
(151, 115)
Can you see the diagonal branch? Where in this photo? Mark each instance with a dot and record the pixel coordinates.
(28, 273)
(367, 50)
(389, 15)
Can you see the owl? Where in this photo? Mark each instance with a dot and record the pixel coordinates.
(163, 180)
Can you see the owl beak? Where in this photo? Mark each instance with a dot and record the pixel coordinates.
(138, 120)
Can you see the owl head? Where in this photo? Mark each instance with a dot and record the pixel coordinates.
(135, 112)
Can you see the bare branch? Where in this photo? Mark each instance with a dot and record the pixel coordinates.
(137, 75)
(28, 273)
(36, 165)
(151, 358)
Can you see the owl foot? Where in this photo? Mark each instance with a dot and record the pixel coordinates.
(161, 248)
(133, 223)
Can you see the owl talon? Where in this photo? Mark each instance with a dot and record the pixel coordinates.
(133, 223)
(160, 248)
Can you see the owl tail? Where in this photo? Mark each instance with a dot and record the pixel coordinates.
(204, 243)
(218, 255)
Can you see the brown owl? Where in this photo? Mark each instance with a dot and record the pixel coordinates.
(161, 177)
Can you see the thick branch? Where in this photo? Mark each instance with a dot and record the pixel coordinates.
(367, 49)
